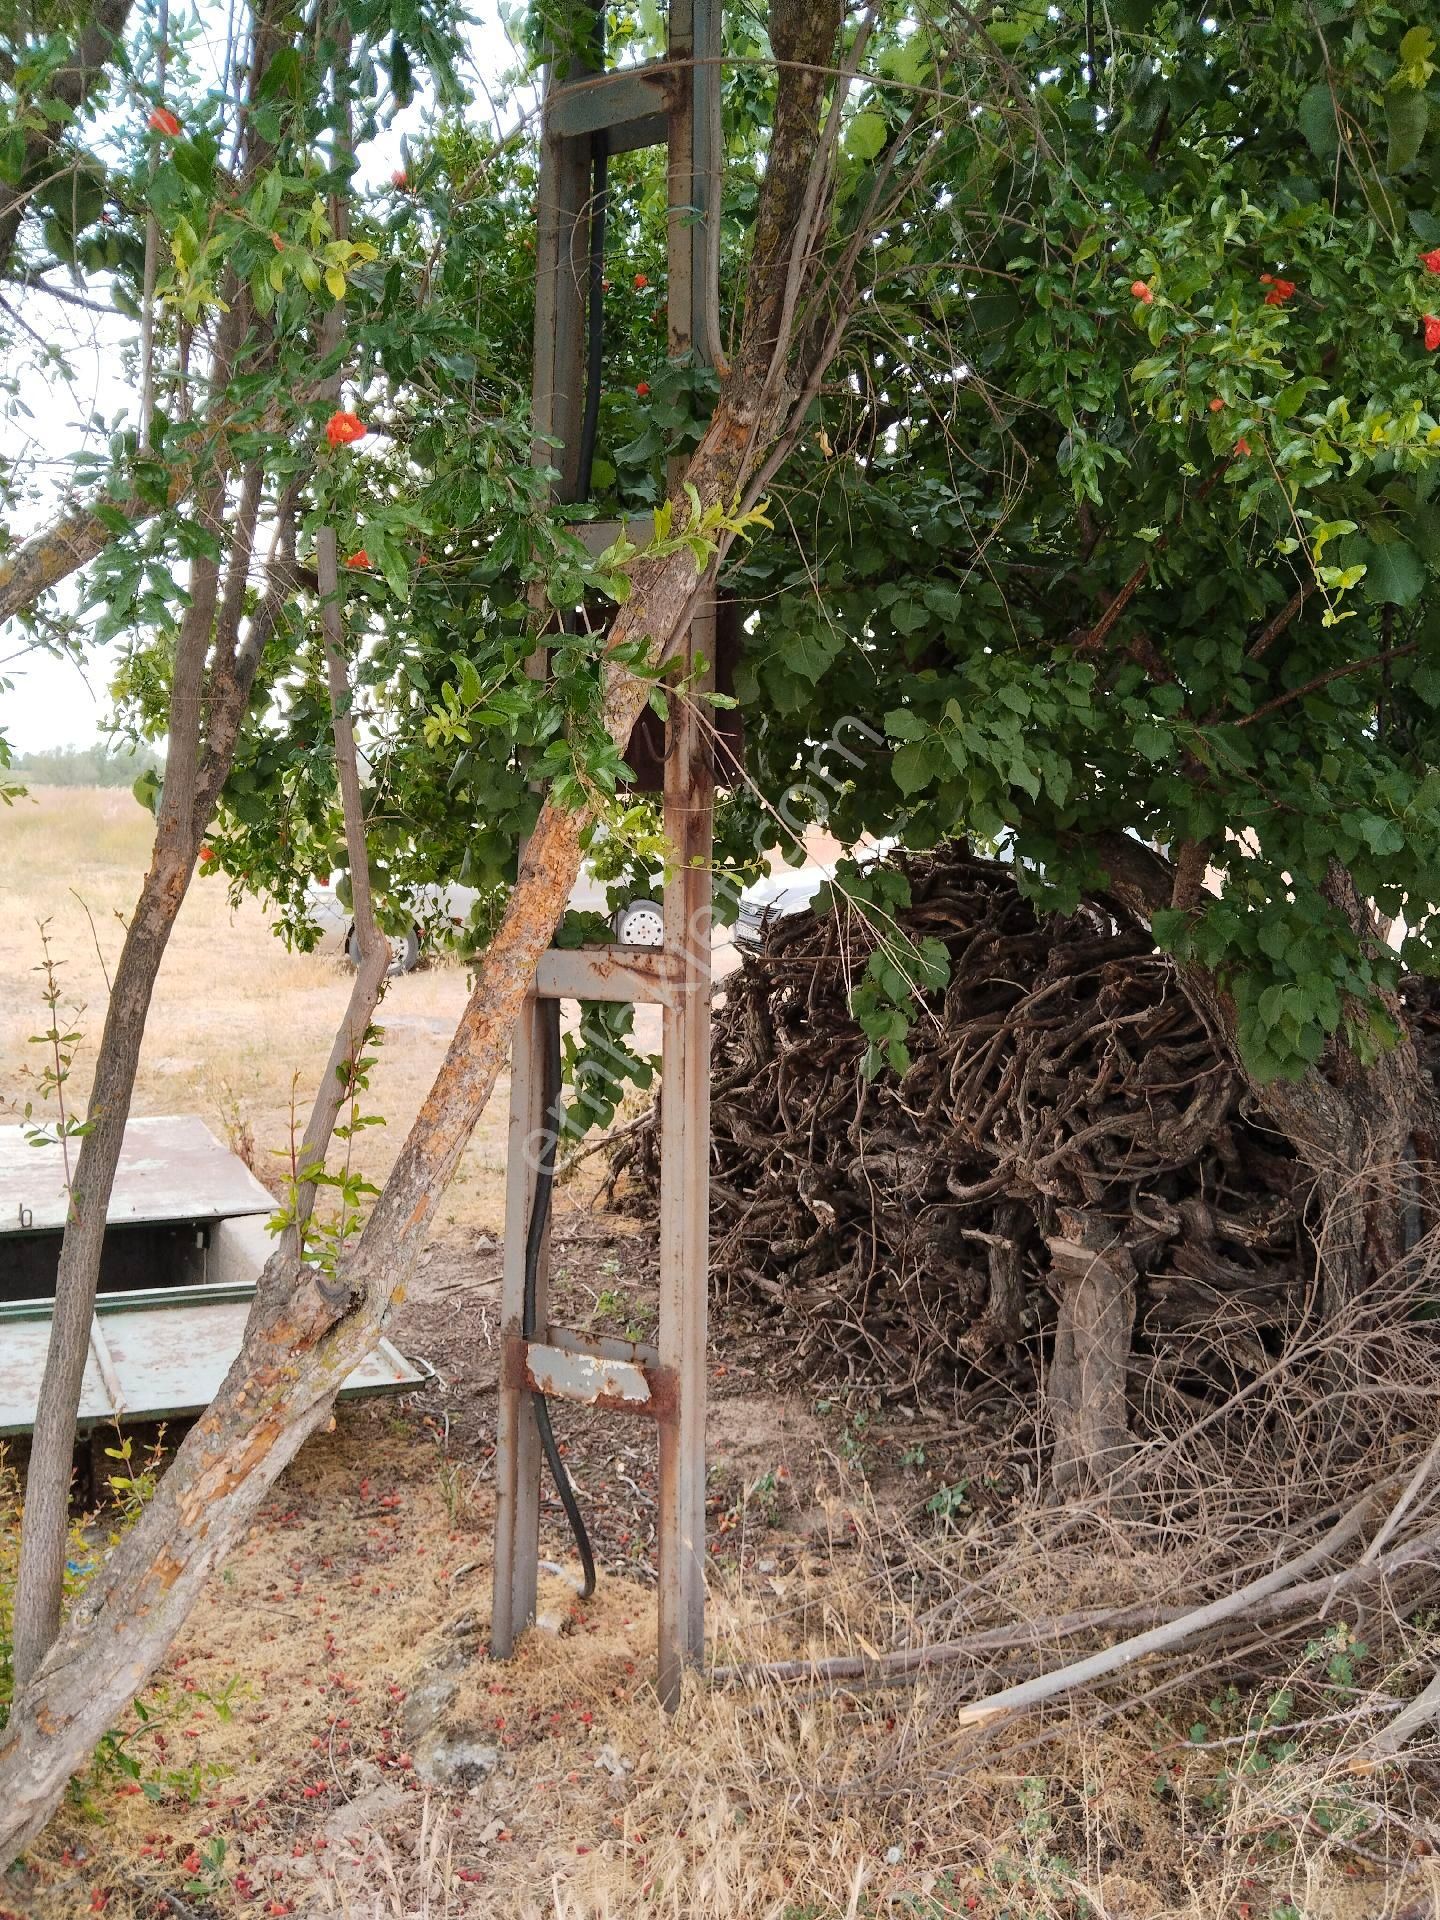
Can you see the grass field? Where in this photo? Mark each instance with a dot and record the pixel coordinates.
(240, 1027)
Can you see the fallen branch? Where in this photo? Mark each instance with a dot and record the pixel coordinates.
(1172, 1633)
(1270, 1596)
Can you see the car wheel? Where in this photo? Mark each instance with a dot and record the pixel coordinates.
(404, 951)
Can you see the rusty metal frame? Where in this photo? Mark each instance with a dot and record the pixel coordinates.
(675, 102)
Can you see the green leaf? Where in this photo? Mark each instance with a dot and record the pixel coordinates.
(1154, 741)
(911, 767)
(809, 651)
(1317, 123)
(1407, 116)
(1395, 573)
(865, 136)
(909, 615)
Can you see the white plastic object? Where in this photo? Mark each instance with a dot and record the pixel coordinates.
(640, 923)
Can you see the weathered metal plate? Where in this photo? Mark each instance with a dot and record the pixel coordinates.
(618, 1380)
(169, 1350)
(171, 1168)
(587, 1377)
(639, 975)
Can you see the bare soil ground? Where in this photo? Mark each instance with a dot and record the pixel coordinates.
(276, 1767)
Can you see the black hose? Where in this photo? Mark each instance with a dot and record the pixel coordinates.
(594, 309)
(534, 1240)
(550, 1009)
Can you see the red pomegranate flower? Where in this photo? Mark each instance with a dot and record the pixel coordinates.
(359, 559)
(641, 282)
(1432, 333)
(1431, 261)
(400, 178)
(642, 388)
(1217, 405)
(1242, 447)
(1280, 290)
(343, 428)
(1141, 292)
(163, 121)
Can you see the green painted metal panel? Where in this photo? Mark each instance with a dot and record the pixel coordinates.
(166, 1350)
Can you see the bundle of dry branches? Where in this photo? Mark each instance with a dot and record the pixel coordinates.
(1066, 1111)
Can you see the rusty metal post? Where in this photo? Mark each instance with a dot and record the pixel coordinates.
(558, 400)
(689, 809)
(517, 1439)
(675, 100)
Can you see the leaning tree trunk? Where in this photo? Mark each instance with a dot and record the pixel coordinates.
(1366, 1131)
(210, 692)
(313, 1331)
(308, 1330)
(40, 1580)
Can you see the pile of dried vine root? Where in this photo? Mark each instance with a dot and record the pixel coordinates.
(1070, 1183)
(1064, 1099)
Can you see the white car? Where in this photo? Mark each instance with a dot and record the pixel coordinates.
(437, 910)
(788, 891)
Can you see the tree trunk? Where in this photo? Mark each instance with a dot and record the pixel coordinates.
(211, 681)
(1367, 1133)
(47, 1504)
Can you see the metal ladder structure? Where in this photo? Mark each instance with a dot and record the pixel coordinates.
(588, 112)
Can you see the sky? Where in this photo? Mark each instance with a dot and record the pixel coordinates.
(55, 702)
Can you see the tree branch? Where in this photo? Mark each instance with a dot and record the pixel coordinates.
(1343, 672)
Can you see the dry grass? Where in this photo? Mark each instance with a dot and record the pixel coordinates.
(368, 1573)
(238, 1022)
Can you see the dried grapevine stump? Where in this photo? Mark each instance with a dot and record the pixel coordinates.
(1093, 1277)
